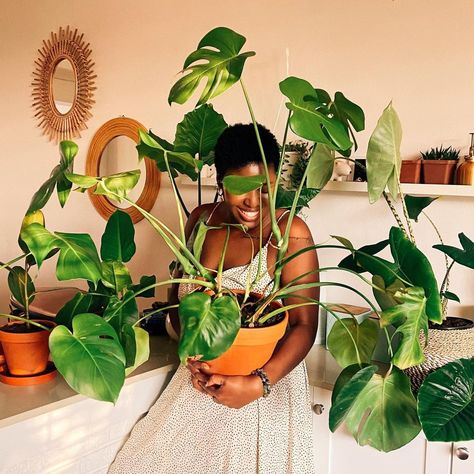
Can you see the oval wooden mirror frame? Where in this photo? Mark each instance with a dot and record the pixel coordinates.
(70, 45)
(116, 127)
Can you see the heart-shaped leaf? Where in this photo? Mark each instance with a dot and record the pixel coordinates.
(320, 166)
(446, 402)
(347, 337)
(383, 155)
(118, 242)
(464, 256)
(90, 359)
(310, 119)
(80, 303)
(21, 285)
(415, 204)
(220, 66)
(238, 185)
(209, 327)
(142, 354)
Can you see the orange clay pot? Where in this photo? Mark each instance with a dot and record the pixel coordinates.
(251, 349)
(26, 353)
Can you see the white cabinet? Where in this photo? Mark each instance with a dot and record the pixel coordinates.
(338, 453)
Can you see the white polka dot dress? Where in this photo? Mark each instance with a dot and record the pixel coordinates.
(186, 432)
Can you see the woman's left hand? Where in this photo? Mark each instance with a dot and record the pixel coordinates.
(233, 391)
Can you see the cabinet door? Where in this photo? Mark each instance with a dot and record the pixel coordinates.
(463, 457)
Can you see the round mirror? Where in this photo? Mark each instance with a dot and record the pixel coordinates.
(64, 86)
(111, 151)
(120, 155)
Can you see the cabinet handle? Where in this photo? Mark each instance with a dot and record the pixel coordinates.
(462, 453)
(318, 408)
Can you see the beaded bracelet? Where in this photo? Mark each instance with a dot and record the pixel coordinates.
(265, 382)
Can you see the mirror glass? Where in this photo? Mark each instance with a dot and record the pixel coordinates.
(121, 155)
(64, 86)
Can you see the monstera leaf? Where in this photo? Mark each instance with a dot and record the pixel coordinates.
(209, 326)
(80, 303)
(463, 256)
(220, 66)
(197, 134)
(320, 166)
(156, 149)
(409, 317)
(310, 119)
(378, 410)
(118, 242)
(383, 155)
(446, 402)
(350, 342)
(90, 359)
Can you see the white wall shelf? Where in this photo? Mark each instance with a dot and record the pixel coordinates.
(408, 188)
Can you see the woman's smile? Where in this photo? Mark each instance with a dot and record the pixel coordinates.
(249, 215)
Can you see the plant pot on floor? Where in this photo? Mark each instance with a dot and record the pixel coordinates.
(410, 171)
(439, 171)
(452, 340)
(26, 351)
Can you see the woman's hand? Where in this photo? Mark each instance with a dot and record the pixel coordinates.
(199, 373)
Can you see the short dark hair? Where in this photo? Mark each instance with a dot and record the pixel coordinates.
(238, 147)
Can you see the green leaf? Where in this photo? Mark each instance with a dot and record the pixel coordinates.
(68, 151)
(382, 414)
(118, 242)
(346, 335)
(311, 120)
(41, 197)
(464, 256)
(386, 298)
(90, 359)
(117, 186)
(417, 268)
(115, 275)
(127, 339)
(285, 198)
(119, 313)
(81, 180)
(415, 204)
(21, 285)
(446, 402)
(144, 282)
(350, 382)
(39, 241)
(199, 131)
(63, 187)
(409, 317)
(155, 148)
(142, 344)
(383, 155)
(320, 166)
(345, 242)
(200, 237)
(450, 296)
(209, 327)
(236, 184)
(220, 66)
(80, 303)
(37, 217)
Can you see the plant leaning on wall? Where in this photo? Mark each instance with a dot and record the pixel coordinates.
(377, 404)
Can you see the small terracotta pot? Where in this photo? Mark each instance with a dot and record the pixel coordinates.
(439, 171)
(26, 353)
(252, 348)
(411, 171)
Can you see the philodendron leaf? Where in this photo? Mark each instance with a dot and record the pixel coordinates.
(385, 295)
(409, 317)
(118, 242)
(41, 197)
(383, 155)
(117, 186)
(310, 119)
(37, 217)
(415, 266)
(68, 150)
(200, 237)
(90, 359)
(380, 412)
(155, 148)
(198, 132)
(415, 204)
(217, 60)
(209, 327)
(80, 303)
(83, 181)
(145, 281)
(127, 339)
(320, 166)
(115, 275)
(142, 354)
(449, 295)
(463, 256)
(236, 184)
(350, 342)
(285, 198)
(446, 402)
(121, 311)
(21, 285)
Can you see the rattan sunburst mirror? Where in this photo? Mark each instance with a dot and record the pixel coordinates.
(63, 85)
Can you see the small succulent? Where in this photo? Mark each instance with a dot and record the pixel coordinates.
(441, 153)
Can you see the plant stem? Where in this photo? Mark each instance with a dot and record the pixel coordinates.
(11, 262)
(395, 213)
(282, 155)
(25, 320)
(180, 197)
(221, 261)
(199, 189)
(177, 200)
(405, 211)
(151, 313)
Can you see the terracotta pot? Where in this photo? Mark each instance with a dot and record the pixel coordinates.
(411, 171)
(26, 353)
(252, 348)
(439, 171)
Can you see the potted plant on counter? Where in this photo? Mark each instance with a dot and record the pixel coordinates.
(439, 165)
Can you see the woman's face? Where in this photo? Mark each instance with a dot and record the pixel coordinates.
(245, 209)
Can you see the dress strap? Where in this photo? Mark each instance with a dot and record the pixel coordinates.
(212, 212)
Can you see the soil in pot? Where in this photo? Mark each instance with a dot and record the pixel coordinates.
(248, 309)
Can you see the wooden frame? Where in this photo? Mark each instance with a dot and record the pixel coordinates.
(70, 45)
(128, 127)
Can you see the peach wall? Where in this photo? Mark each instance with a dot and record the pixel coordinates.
(414, 53)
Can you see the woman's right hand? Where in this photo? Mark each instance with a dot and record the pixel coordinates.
(199, 374)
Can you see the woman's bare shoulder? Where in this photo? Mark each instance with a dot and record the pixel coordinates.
(299, 229)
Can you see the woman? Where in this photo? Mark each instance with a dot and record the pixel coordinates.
(211, 423)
